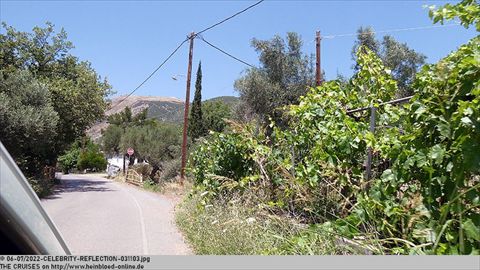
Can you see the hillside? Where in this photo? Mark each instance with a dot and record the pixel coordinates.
(165, 109)
(229, 100)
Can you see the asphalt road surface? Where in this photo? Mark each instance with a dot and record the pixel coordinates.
(99, 216)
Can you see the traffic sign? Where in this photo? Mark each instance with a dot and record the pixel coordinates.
(130, 151)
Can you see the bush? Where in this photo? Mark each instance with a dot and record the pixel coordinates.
(42, 187)
(143, 169)
(171, 169)
(69, 160)
(90, 157)
(154, 143)
(91, 161)
(426, 202)
(423, 197)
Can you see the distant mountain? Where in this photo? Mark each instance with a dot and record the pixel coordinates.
(229, 100)
(165, 109)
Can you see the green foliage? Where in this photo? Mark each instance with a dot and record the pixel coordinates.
(69, 160)
(157, 143)
(126, 118)
(83, 155)
(27, 120)
(60, 99)
(366, 38)
(196, 126)
(232, 228)
(35, 51)
(425, 202)
(402, 61)
(90, 157)
(468, 11)
(315, 153)
(283, 77)
(76, 90)
(42, 187)
(171, 169)
(154, 143)
(111, 139)
(423, 197)
(119, 122)
(214, 115)
(438, 156)
(224, 155)
(150, 185)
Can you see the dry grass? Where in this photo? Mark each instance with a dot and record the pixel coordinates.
(226, 228)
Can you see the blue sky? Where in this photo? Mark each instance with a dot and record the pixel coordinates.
(126, 40)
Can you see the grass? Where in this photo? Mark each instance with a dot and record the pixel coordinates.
(172, 187)
(152, 186)
(229, 228)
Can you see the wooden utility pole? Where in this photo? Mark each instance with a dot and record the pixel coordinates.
(187, 104)
(318, 70)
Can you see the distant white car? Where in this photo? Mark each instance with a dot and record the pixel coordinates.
(112, 170)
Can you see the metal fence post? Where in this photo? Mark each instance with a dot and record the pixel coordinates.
(370, 151)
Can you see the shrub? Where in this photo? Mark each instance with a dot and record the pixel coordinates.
(42, 187)
(171, 169)
(426, 202)
(69, 160)
(91, 160)
(143, 169)
(423, 199)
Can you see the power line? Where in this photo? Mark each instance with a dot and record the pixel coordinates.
(151, 74)
(224, 52)
(386, 31)
(183, 42)
(228, 18)
(392, 30)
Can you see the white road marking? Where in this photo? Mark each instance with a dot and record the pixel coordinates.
(142, 223)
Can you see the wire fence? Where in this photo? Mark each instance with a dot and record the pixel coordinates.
(373, 127)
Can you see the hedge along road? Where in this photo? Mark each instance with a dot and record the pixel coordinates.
(99, 216)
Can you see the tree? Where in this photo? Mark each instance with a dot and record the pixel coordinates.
(154, 143)
(111, 139)
(284, 75)
(196, 128)
(126, 118)
(119, 122)
(403, 61)
(467, 11)
(366, 38)
(35, 51)
(77, 92)
(69, 159)
(28, 120)
(214, 115)
(90, 156)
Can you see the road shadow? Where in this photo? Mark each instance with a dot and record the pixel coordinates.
(78, 185)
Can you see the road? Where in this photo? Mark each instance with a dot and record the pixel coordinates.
(99, 216)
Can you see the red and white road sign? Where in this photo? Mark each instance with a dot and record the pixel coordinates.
(130, 151)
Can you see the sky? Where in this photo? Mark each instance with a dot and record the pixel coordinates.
(126, 40)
